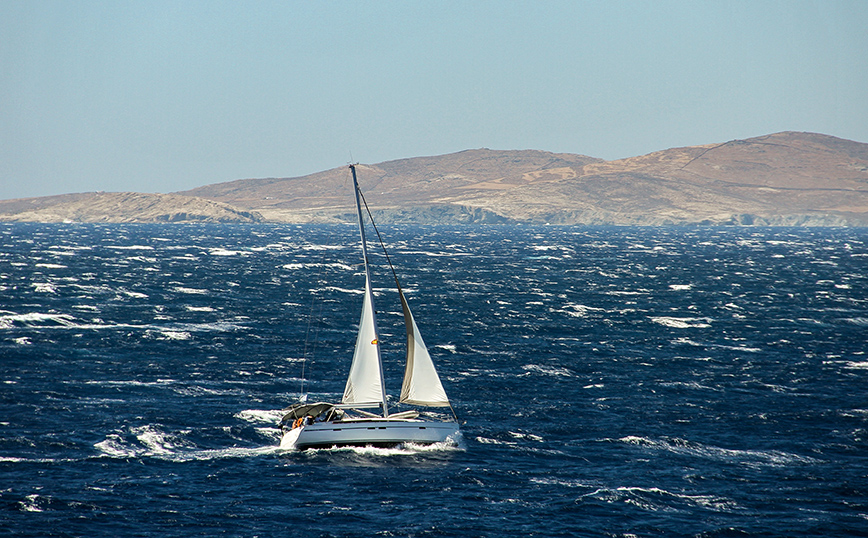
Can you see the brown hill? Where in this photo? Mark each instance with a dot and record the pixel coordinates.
(782, 179)
(786, 178)
(421, 189)
(121, 207)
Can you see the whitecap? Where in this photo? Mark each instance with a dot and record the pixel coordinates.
(686, 341)
(682, 323)
(296, 266)
(114, 446)
(489, 441)
(548, 370)
(36, 319)
(159, 442)
(174, 335)
(546, 481)
(688, 384)
(530, 436)
(576, 310)
(260, 416)
(224, 252)
(342, 290)
(152, 442)
(44, 287)
(190, 291)
(32, 503)
(751, 458)
(658, 499)
(134, 294)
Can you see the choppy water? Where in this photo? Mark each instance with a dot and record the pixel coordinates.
(612, 381)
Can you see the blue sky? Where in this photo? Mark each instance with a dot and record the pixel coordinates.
(161, 96)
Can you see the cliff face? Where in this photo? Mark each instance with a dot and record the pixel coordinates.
(780, 179)
(121, 207)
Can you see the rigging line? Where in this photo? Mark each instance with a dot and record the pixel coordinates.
(310, 318)
(380, 238)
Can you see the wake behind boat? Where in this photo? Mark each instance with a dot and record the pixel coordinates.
(325, 425)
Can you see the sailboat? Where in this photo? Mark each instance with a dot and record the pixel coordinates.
(362, 417)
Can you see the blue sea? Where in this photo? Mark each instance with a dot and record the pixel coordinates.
(610, 382)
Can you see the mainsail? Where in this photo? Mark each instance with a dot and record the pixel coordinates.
(365, 383)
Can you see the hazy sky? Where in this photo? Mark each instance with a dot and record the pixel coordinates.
(160, 96)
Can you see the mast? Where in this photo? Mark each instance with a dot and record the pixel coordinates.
(369, 294)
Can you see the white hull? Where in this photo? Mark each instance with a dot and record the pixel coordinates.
(369, 432)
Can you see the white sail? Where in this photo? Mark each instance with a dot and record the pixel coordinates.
(365, 382)
(421, 385)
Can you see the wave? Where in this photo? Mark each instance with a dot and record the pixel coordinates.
(151, 442)
(342, 290)
(751, 458)
(656, 499)
(577, 310)
(36, 319)
(689, 385)
(224, 252)
(435, 254)
(688, 341)
(548, 370)
(44, 287)
(40, 320)
(190, 291)
(133, 294)
(490, 441)
(295, 266)
(260, 416)
(170, 335)
(142, 259)
(682, 323)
